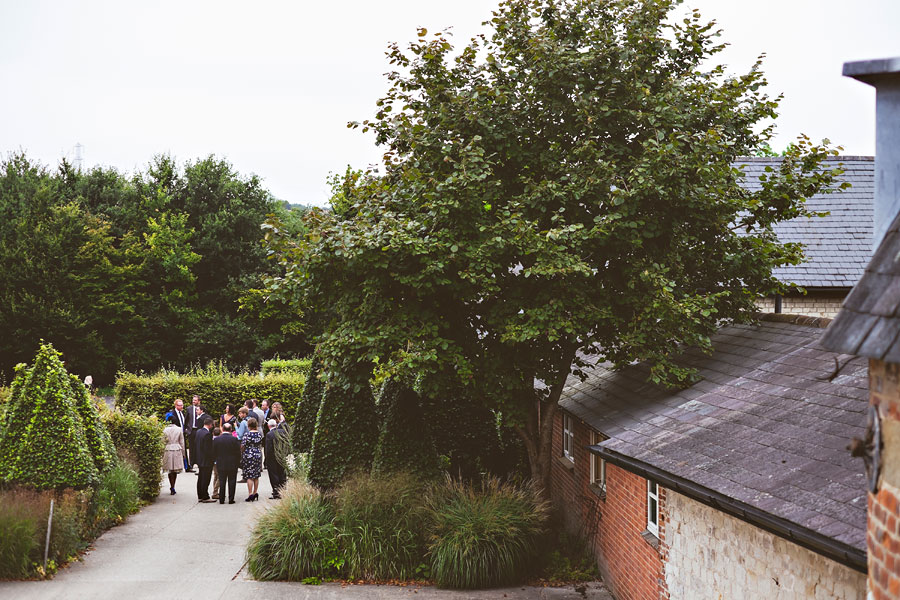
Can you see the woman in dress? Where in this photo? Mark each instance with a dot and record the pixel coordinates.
(173, 459)
(229, 417)
(251, 458)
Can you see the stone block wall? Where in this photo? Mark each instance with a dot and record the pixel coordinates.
(632, 565)
(812, 304)
(714, 555)
(883, 538)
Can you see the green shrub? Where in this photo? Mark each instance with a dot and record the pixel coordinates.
(308, 406)
(44, 444)
(118, 495)
(345, 435)
(405, 443)
(484, 537)
(379, 519)
(18, 538)
(156, 394)
(98, 439)
(296, 539)
(140, 439)
(280, 365)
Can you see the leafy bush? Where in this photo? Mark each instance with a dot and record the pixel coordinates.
(156, 394)
(117, 496)
(280, 365)
(98, 439)
(405, 443)
(379, 519)
(308, 406)
(140, 439)
(43, 443)
(345, 435)
(484, 537)
(297, 539)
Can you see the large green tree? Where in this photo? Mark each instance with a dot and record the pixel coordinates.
(561, 188)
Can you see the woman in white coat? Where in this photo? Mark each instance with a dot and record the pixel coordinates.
(173, 458)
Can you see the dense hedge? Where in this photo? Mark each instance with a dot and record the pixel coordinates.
(99, 442)
(345, 436)
(308, 407)
(43, 442)
(139, 438)
(280, 365)
(405, 443)
(155, 394)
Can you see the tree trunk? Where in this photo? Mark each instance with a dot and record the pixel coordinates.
(537, 434)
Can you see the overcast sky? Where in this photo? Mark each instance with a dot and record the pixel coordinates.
(270, 86)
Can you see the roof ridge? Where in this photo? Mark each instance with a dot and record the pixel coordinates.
(818, 322)
(828, 158)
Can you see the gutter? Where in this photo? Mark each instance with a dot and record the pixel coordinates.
(812, 540)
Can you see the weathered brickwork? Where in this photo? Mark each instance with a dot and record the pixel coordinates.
(883, 539)
(883, 542)
(813, 305)
(632, 568)
(714, 555)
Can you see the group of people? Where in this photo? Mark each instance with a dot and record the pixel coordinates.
(218, 447)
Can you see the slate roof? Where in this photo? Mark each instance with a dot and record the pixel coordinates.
(767, 426)
(838, 246)
(869, 322)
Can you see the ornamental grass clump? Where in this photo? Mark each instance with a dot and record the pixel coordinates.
(484, 537)
(380, 524)
(19, 521)
(117, 496)
(296, 539)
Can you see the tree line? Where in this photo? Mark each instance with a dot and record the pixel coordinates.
(161, 267)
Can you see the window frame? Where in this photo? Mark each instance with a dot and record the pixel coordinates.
(568, 440)
(653, 507)
(598, 463)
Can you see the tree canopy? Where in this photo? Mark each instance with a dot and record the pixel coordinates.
(137, 272)
(562, 187)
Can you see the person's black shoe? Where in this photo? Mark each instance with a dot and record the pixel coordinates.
(231, 502)
(221, 502)
(188, 470)
(274, 497)
(206, 500)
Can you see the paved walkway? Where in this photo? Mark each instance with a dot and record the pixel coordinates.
(179, 548)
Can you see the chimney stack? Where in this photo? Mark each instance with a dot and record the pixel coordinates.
(884, 75)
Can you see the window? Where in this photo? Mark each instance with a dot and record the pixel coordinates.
(653, 508)
(568, 437)
(598, 465)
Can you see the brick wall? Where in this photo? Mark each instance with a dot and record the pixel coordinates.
(883, 538)
(632, 568)
(813, 304)
(714, 555)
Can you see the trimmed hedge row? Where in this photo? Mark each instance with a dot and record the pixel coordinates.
(140, 440)
(280, 365)
(156, 394)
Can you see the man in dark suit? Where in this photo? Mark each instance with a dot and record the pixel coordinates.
(205, 458)
(227, 453)
(194, 424)
(277, 476)
(181, 419)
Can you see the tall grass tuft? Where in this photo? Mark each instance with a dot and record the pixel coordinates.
(18, 536)
(484, 537)
(379, 519)
(297, 539)
(117, 496)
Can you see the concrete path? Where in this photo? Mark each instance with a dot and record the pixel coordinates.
(179, 548)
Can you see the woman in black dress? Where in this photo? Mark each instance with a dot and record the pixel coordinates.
(251, 458)
(229, 417)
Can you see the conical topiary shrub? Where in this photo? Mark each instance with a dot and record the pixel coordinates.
(98, 439)
(405, 443)
(308, 407)
(43, 444)
(345, 435)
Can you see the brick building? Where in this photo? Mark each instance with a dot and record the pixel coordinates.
(837, 245)
(738, 486)
(869, 326)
